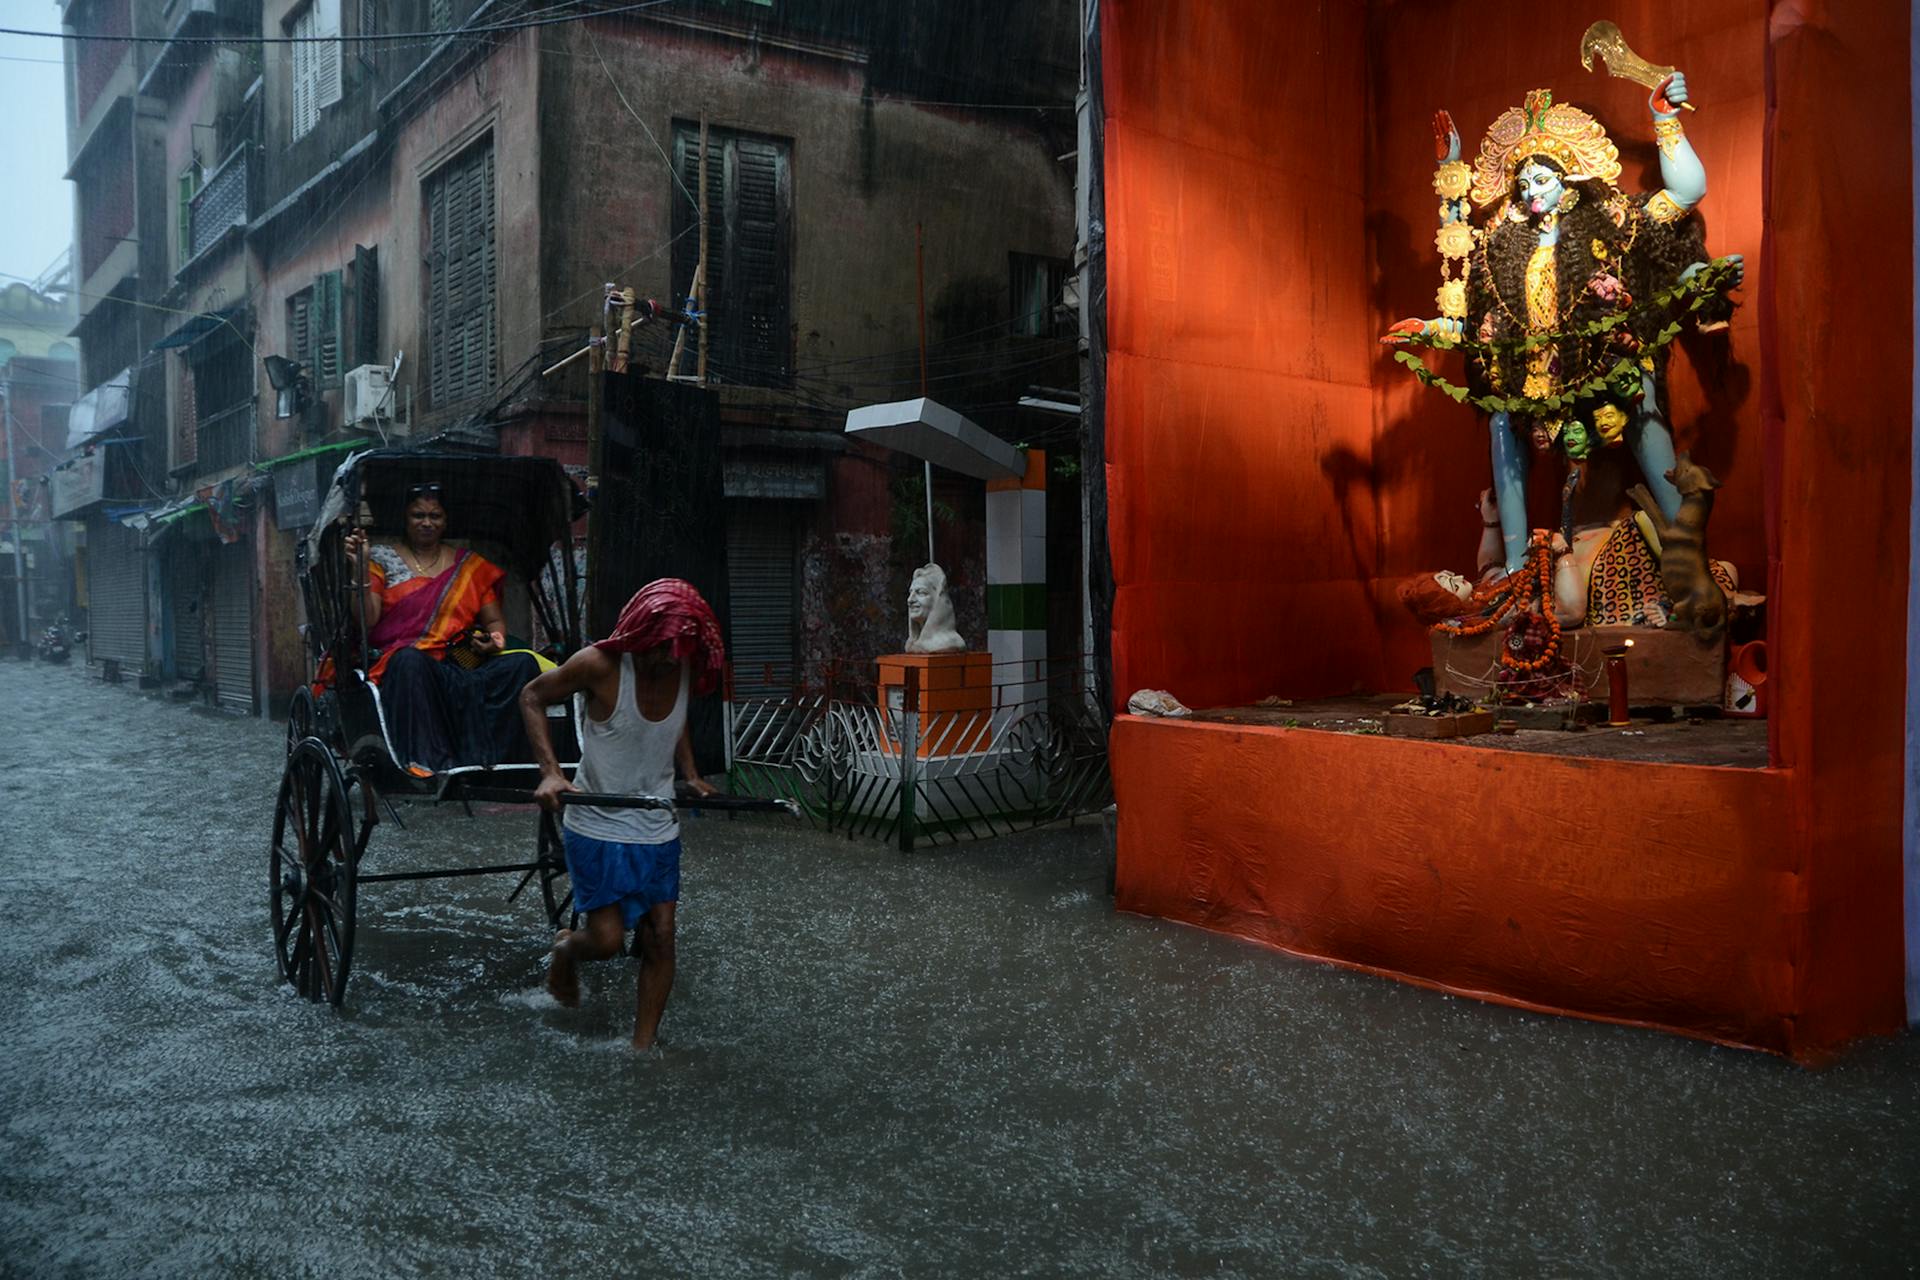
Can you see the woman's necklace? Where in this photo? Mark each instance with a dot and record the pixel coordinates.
(420, 566)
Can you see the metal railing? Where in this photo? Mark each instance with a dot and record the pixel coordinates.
(225, 439)
(220, 204)
(904, 765)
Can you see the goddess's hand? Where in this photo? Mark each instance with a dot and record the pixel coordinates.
(1446, 138)
(1669, 96)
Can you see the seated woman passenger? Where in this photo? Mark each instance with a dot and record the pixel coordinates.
(423, 598)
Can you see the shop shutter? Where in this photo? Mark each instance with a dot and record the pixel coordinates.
(233, 626)
(186, 596)
(760, 591)
(117, 596)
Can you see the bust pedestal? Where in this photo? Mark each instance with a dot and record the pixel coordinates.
(954, 698)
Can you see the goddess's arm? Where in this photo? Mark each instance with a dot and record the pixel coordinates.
(1451, 181)
(1681, 172)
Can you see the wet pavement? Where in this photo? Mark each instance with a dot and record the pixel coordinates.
(960, 1062)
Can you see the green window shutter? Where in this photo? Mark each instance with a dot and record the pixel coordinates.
(366, 307)
(327, 321)
(300, 329)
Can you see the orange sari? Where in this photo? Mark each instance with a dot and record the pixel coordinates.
(430, 613)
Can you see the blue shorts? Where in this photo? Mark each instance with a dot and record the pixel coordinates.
(637, 876)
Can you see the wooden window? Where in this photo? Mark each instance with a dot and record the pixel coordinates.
(462, 330)
(314, 329)
(1036, 285)
(749, 249)
(366, 308)
(300, 328)
(187, 186)
(316, 63)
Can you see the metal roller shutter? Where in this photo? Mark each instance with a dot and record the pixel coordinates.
(186, 581)
(233, 627)
(760, 569)
(116, 596)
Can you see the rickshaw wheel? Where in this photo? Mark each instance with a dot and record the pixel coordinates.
(311, 875)
(300, 718)
(555, 888)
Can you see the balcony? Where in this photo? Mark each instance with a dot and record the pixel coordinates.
(220, 205)
(225, 439)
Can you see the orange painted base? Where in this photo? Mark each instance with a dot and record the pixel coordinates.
(955, 699)
(1658, 895)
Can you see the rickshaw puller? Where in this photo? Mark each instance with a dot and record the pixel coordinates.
(630, 693)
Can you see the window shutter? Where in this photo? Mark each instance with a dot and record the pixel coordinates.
(305, 114)
(326, 329)
(369, 25)
(366, 307)
(300, 329)
(757, 260)
(327, 64)
(461, 277)
(749, 259)
(187, 188)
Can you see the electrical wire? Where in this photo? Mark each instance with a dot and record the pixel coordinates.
(519, 24)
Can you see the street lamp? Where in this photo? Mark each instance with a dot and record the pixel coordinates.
(289, 379)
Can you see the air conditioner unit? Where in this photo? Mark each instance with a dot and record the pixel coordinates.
(367, 396)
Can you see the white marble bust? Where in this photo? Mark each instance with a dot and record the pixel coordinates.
(930, 627)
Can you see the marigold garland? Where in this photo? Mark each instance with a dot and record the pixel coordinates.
(1530, 588)
(1622, 378)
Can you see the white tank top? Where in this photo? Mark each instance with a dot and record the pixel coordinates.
(627, 754)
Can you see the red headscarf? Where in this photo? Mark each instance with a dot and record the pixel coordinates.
(668, 611)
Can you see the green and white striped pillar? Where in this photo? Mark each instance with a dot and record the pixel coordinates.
(1017, 583)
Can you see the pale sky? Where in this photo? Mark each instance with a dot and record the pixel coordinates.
(36, 207)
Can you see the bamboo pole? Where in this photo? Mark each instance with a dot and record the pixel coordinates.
(700, 275)
(596, 468)
(920, 286)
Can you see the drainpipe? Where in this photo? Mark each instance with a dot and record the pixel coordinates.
(23, 643)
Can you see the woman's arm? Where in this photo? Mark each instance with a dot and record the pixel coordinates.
(491, 625)
(360, 578)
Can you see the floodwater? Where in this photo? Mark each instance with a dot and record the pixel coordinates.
(955, 1063)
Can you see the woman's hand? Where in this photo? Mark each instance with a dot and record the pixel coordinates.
(486, 643)
(355, 546)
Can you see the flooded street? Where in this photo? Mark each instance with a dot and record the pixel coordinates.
(959, 1062)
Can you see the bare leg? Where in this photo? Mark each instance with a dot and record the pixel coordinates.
(656, 973)
(1510, 489)
(600, 939)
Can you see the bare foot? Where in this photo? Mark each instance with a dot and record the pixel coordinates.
(644, 1046)
(563, 979)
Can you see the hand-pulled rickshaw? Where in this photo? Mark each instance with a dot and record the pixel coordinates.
(341, 765)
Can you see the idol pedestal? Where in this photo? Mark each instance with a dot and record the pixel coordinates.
(1664, 667)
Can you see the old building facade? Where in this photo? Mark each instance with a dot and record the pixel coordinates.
(440, 190)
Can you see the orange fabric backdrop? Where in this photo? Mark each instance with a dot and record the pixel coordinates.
(1238, 390)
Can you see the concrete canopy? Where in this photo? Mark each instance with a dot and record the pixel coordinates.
(929, 430)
